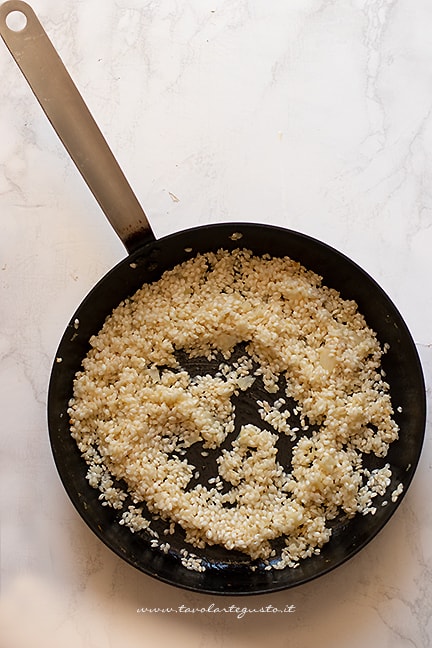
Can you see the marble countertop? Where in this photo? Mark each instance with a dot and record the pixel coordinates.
(311, 114)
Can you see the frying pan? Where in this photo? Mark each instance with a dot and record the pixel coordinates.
(226, 572)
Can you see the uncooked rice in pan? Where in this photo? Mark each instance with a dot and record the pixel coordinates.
(136, 411)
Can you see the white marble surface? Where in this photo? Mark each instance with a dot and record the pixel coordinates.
(312, 114)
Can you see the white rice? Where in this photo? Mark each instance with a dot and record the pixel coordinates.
(135, 411)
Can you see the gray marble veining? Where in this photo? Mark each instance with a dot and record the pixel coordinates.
(315, 115)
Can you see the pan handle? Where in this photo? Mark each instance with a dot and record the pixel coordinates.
(65, 108)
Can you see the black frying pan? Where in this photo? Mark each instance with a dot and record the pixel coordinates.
(226, 572)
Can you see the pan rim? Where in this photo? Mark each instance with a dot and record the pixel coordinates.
(231, 228)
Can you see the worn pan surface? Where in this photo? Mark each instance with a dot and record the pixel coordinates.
(226, 572)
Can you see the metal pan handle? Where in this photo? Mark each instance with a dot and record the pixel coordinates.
(73, 122)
